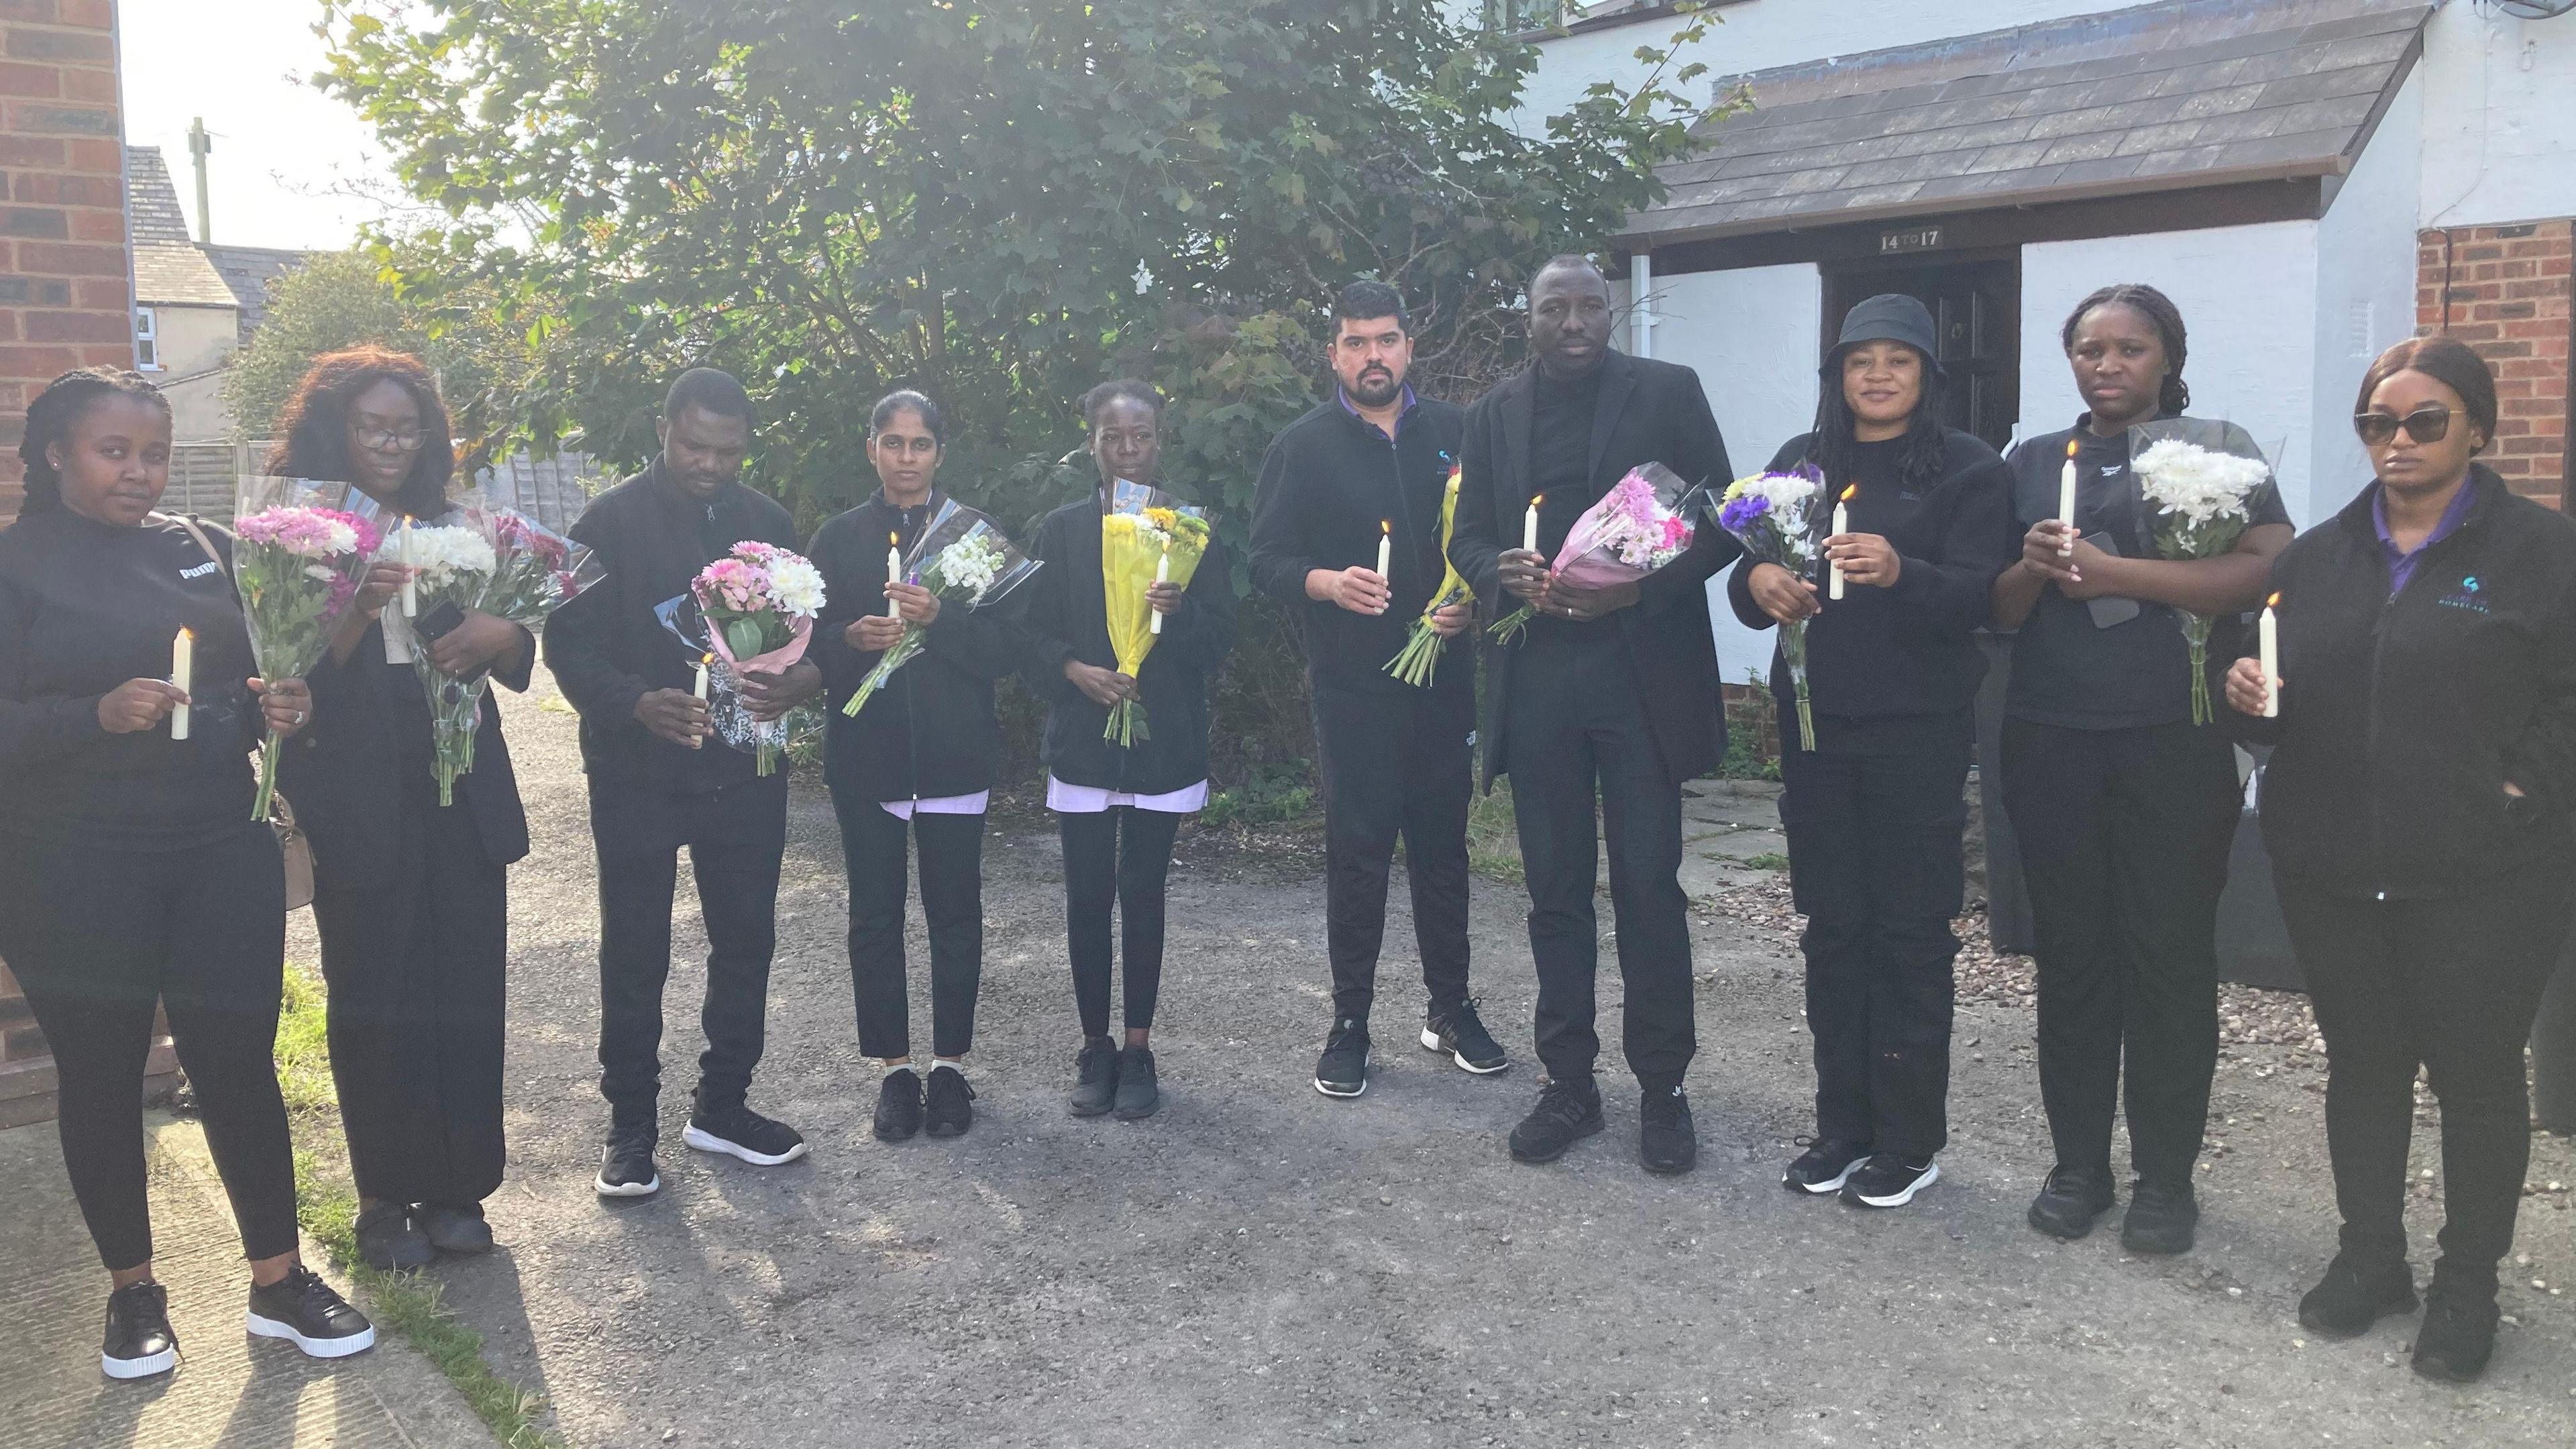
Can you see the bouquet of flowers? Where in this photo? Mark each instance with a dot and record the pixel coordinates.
(964, 558)
(2201, 478)
(297, 565)
(1643, 523)
(455, 561)
(1146, 537)
(1780, 518)
(1419, 660)
(759, 603)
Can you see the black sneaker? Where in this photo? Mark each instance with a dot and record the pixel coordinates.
(1567, 1112)
(309, 1313)
(139, 1342)
(1342, 1071)
(1667, 1143)
(1138, 1093)
(950, 1101)
(1095, 1077)
(741, 1132)
(1889, 1180)
(899, 1105)
(1824, 1166)
(2070, 1200)
(388, 1243)
(1461, 1034)
(626, 1164)
(457, 1228)
(2458, 1336)
(2161, 1217)
(2356, 1293)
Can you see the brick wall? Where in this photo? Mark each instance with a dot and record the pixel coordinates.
(2504, 290)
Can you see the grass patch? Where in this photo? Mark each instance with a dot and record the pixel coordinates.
(1768, 860)
(1270, 795)
(1493, 841)
(327, 1205)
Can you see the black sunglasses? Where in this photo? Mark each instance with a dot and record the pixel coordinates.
(2430, 423)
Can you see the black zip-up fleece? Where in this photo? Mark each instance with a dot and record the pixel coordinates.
(931, 730)
(2402, 718)
(1327, 483)
(1067, 616)
(606, 648)
(1909, 649)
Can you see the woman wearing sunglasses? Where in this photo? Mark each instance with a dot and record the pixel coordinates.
(2418, 809)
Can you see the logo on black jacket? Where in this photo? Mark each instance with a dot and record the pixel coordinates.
(2465, 596)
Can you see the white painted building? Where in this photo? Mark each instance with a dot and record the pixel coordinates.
(2311, 180)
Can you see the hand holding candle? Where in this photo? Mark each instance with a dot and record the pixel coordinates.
(1842, 525)
(699, 688)
(183, 665)
(1529, 527)
(2269, 631)
(2066, 499)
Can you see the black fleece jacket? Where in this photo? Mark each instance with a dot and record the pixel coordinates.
(1909, 649)
(931, 730)
(1067, 617)
(606, 648)
(1327, 483)
(2403, 718)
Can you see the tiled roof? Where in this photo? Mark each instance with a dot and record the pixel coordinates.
(248, 271)
(169, 270)
(2159, 97)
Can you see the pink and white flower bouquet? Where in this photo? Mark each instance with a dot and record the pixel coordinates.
(1644, 522)
(297, 566)
(759, 603)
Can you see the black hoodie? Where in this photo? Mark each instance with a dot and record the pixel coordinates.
(2403, 717)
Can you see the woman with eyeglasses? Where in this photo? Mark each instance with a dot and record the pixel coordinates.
(2124, 808)
(2418, 809)
(410, 896)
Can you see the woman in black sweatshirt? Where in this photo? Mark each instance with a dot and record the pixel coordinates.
(1876, 812)
(410, 897)
(1118, 808)
(922, 751)
(131, 870)
(2418, 811)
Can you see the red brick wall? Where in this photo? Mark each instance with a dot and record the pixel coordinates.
(65, 280)
(2504, 290)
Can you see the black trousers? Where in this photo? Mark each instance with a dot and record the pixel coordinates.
(873, 843)
(97, 937)
(736, 838)
(2124, 843)
(1395, 765)
(2451, 985)
(417, 966)
(1876, 865)
(1119, 856)
(1578, 725)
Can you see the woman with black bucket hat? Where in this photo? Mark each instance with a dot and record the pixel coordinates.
(1876, 811)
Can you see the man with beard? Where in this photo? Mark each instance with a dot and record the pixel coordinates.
(1611, 689)
(657, 782)
(1372, 468)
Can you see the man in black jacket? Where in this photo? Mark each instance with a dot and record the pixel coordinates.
(1612, 687)
(657, 783)
(1372, 468)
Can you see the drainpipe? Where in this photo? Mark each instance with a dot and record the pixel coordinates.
(1641, 304)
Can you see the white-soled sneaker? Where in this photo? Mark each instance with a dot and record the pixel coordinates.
(309, 1313)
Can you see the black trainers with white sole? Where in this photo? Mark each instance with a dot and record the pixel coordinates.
(139, 1342)
(626, 1164)
(1825, 1166)
(1460, 1035)
(741, 1132)
(1342, 1071)
(1889, 1180)
(309, 1313)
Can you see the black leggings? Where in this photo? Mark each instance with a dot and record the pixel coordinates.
(96, 937)
(875, 844)
(1118, 855)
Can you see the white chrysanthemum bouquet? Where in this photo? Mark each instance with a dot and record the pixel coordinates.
(2201, 479)
(964, 558)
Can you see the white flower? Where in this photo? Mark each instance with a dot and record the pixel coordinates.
(970, 564)
(2197, 483)
(797, 586)
(442, 553)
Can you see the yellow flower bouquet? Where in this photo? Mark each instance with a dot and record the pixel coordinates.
(1145, 538)
(1419, 660)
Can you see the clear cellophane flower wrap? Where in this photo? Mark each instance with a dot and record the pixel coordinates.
(758, 604)
(2200, 477)
(298, 557)
(1781, 518)
(1142, 527)
(1644, 522)
(968, 561)
(1419, 661)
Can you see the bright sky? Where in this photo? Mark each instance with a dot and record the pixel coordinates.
(288, 160)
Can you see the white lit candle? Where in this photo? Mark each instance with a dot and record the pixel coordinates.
(2270, 633)
(183, 666)
(1385, 547)
(1162, 575)
(1529, 528)
(2066, 499)
(410, 590)
(1842, 525)
(894, 569)
(700, 687)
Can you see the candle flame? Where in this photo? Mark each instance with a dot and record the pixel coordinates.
(1848, 492)
(894, 540)
(1386, 526)
(186, 633)
(2272, 602)
(707, 660)
(2070, 449)
(1537, 498)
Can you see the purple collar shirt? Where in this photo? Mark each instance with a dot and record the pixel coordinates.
(1404, 407)
(2401, 566)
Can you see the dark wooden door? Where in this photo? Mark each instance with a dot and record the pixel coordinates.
(1977, 307)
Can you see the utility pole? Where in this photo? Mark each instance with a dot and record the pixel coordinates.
(199, 146)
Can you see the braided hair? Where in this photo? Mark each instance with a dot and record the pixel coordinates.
(51, 416)
(1835, 443)
(2162, 314)
(313, 431)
